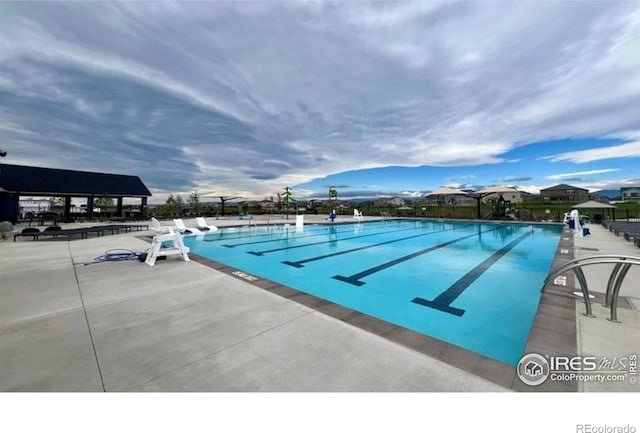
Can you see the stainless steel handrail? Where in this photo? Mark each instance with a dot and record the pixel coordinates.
(619, 272)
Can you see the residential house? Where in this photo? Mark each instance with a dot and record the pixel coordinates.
(394, 201)
(630, 193)
(564, 192)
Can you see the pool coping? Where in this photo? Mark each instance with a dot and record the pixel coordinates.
(553, 331)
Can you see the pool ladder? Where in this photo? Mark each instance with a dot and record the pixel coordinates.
(252, 220)
(619, 272)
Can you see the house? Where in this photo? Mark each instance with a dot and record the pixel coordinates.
(451, 199)
(511, 196)
(631, 193)
(564, 192)
(395, 201)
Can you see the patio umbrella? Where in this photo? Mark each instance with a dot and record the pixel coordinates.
(405, 208)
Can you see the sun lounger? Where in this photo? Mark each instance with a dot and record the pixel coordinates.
(83, 233)
(184, 229)
(202, 225)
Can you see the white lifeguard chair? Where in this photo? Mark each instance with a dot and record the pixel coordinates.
(156, 250)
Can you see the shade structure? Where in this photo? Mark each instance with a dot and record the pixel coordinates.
(592, 204)
(497, 190)
(447, 191)
(479, 195)
(404, 209)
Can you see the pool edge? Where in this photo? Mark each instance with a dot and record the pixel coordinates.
(549, 333)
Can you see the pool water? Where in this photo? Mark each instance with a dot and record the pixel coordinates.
(473, 285)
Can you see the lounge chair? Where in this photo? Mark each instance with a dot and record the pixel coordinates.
(202, 225)
(83, 232)
(357, 215)
(184, 229)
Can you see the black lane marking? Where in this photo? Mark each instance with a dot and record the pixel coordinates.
(261, 253)
(443, 301)
(221, 237)
(308, 236)
(315, 234)
(355, 278)
(221, 234)
(300, 263)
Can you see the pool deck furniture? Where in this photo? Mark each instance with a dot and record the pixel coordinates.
(202, 225)
(83, 232)
(630, 230)
(157, 250)
(182, 228)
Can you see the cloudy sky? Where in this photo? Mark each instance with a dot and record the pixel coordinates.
(381, 98)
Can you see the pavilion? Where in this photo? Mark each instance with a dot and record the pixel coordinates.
(20, 180)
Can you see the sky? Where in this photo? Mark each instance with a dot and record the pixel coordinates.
(376, 98)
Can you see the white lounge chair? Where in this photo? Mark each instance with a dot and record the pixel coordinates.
(202, 225)
(357, 215)
(184, 229)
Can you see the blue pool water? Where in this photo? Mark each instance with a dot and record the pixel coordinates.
(474, 285)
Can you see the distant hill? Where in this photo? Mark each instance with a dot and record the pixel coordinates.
(611, 193)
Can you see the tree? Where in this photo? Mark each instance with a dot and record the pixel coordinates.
(287, 198)
(104, 201)
(195, 208)
(173, 206)
(56, 202)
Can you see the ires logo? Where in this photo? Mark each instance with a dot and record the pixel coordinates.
(534, 369)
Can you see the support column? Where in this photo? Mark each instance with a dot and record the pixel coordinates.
(90, 207)
(66, 215)
(10, 207)
(143, 208)
(119, 207)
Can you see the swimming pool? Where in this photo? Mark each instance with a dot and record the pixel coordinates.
(473, 285)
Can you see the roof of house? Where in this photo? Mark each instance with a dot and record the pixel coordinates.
(57, 182)
(562, 186)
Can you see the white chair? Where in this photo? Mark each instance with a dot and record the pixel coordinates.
(177, 248)
(184, 229)
(202, 225)
(357, 215)
(159, 228)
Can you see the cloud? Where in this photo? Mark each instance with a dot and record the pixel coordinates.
(366, 194)
(627, 150)
(516, 178)
(232, 102)
(570, 176)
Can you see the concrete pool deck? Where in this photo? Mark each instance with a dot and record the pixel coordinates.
(184, 326)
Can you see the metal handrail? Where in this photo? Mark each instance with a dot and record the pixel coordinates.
(619, 272)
